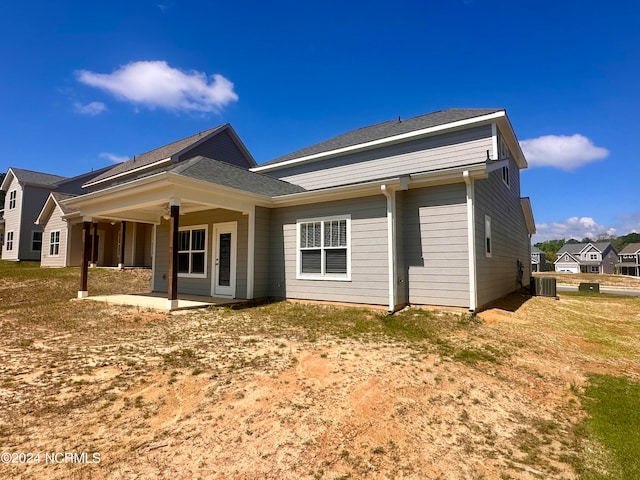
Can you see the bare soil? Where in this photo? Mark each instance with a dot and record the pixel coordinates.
(245, 395)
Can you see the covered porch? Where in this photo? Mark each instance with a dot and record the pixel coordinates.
(203, 238)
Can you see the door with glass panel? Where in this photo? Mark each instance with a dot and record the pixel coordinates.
(224, 259)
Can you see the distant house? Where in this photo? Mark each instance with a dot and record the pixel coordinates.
(538, 260)
(629, 260)
(593, 257)
(25, 193)
(422, 211)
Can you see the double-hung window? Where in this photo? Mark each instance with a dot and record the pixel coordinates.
(9, 241)
(12, 199)
(324, 248)
(192, 251)
(54, 243)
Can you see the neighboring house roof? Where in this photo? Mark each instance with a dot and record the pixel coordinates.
(575, 248)
(535, 249)
(222, 173)
(30, 177)
(387, 129)
(54, 199)
(630, 249)
(165, 153)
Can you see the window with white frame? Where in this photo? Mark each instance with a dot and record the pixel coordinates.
(593, 256)
(488, 247)
(9, 241)
(324, 248)
(12, 199)
(36, 241)
(192, 251)
(505, 176)
(594, 269)
(54, 243)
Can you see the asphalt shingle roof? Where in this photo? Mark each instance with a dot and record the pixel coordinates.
(60, 198)
(574, 248)
(630, 248)
(222, 173)
(156, 154)
(37, 178)
(387, 129)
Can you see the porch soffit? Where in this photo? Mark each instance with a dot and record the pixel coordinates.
(147, 202)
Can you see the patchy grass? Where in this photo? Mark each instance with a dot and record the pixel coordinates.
(613, 422)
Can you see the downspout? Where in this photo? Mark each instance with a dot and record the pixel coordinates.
(471, 239)
(391, 246)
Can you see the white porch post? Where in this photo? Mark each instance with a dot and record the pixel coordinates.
(471, 242)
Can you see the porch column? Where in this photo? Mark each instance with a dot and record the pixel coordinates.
(174, 224)
(123, 237)
(94, 244)
(86, 253)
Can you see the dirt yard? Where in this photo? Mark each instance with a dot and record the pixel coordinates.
(297, 391)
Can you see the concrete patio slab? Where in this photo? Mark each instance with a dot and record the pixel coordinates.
(158, 301)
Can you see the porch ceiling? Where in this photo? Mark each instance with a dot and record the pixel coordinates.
(147, 200)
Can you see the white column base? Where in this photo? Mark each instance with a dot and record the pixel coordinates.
(83, 293)
(92, 265)
(172, 304)
(121, 266)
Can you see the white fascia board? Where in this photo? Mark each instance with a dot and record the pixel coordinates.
(388, 140)
(512, 142)
(525, 203)
(334, 193)
(373, 188)
(41, 220)
(128, 172)
(6, 183)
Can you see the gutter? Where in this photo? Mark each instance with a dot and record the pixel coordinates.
(389, 192)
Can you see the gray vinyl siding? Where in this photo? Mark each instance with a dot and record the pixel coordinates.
(369, 277)
(401, 269)
(34, 199)
(497, 275)
(55, 223)
(453, 149)
(436, 256)
(262, 253)
(609, 261)
(221, 147)
(202, 286)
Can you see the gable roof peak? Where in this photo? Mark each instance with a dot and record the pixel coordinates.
(167, 152)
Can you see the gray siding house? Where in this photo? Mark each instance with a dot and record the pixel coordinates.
(25, 193)
(426, 210)
(629, 260)
(586, 258)
(538, 260)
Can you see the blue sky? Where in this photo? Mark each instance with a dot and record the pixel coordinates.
(76, 94)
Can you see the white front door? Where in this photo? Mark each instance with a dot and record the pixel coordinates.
(224, 259)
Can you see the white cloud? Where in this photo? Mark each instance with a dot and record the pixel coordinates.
(572, 227)
(562, 151)
(113, 157)
(156, 84)
(93, 108)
